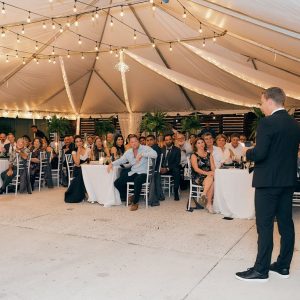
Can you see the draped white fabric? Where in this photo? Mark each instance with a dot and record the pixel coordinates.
(130, 123)
(246, 73)
(193, 84)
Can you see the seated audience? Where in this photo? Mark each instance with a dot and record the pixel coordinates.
(192, 139)
(109, 141)
(221, 143)
(203, 168)
(76, 190)
(137, 156)
(90, 142)
(8, 175)
(212, 149)
(243, 139)
(99, 150)
(170, 164)
(118, 148)
(151, 142)
(11, 145)
(142, 140)
(235, 147)
(35, 161)
(27, 141)
(37, 133)
(68, 147)
(3, 141)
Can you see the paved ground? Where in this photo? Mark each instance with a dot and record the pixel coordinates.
(53, 250)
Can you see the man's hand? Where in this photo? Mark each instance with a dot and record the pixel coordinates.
(9, 172)
(139, 157)
(163, 170)
(109, 167)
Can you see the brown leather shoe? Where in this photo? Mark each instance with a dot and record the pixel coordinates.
(134, 207)
(130, 199)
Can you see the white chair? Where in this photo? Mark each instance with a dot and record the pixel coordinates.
(167, 181)
(43, 165)
(296, 199)
(57, 172)
(20, 167)
(70, 167)
(195, 190)
(145, 186)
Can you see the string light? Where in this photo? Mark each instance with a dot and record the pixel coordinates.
(97, 56)
(116, 54)
(53, 24)
(82, 56)
(93, 18)
(17, 54)
(29, 17)
(110, 49)
(49, 60)
(96, 47)
(153, 6)
(3, 32)
(68, 54)
(76, 22)
(151, 1)
(44, 25)
(97, 14)
(54, 60)
(37, 61)
(200, 28)
(23, 29)
(134, 35)
(68, 23)
(153, 44)
(170, 48)
(7, 59)
(79, 40)
(61, 29)
(34, 59)
(111, 22)
(203, 44)
(23, 62)
(3, 8)
(75, 6)
(18, 39)
(184, 13)
(53, 51)
(214, 38)
(36, 45)
(122, 12)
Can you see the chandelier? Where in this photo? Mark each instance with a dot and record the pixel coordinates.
(122, 67)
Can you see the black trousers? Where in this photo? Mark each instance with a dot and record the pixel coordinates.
(7, 179)
(121, 184)
(176, 174)
(271, 203)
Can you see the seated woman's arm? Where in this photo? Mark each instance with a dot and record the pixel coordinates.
(212, 163)
(76, 158)
(195, 166)
(106, 150)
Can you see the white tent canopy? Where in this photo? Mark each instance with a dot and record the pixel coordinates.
(257, 46)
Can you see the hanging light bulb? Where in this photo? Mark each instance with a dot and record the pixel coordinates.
(214, 38)
(3, 11)
(53, 51)
(68, 55)
(3, 32)
(122, 12)
(49, 60)
(82, 56)
(76, 22)
(54, 60)
(18, 39)
(110, 49)
(23, 29)
(61, 30)
(170, 48)
(96, 47)
(37, 61)
(17, 54)
(184, 13)
(34, 58)
(7, 60)
(97, 56)
(116, 54)
(200, 28)
(53, 24)
(151, 1)
(68, 23)
(203, 44)
(36, 45)
(153, 6)
(153, 43)
(111, 22)
(75, 6)
(79, 40)
(44, 25)
(93, 18)
(29, 17)
(23, 62)
(97, 14)
(134, 35)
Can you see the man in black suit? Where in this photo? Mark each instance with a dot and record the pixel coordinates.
(274, 179)
(171, 163)
(38, 133)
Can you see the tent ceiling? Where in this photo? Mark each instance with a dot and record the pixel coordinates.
(96, 86)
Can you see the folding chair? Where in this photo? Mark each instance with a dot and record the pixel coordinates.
(70, 167)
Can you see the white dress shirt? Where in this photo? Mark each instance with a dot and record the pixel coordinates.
(238, 151)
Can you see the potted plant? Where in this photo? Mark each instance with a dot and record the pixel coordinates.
(191, 124)
(259, 115)
(154, 123)
(102, 127)
(61, 126)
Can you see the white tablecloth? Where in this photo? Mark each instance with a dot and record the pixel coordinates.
(99, 184)
(3, 167)
(234, 195)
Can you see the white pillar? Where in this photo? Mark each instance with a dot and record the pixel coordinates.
(77, 124)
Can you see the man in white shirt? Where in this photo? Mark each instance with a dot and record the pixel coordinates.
(213, 150)
(235, 146)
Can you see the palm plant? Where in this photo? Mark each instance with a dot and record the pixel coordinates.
(103, 127)
(191, 124)
(154, 122)
(61, 126)
(259, 115)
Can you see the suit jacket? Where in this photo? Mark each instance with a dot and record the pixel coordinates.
(275, 153)
(173, 158)
(6, 147)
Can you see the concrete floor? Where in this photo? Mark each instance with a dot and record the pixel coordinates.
(53, 250)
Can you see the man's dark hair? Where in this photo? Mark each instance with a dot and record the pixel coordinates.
(168, 134)
(234, 135)
(207, 134)
(151, 136)
(33, 126)
(276, 94)
(142, 137)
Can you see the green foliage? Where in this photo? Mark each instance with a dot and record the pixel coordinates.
(154, 122)
(103, 127)
(59, 125)
(5, 126)
(191, 124)
(259, 115)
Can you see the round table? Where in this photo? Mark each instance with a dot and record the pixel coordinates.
(234, 195)
(3, 166)
(99, 184)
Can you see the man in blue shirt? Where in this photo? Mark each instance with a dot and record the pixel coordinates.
(137, 157)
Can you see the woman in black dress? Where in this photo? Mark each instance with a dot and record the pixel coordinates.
(203, 168)
(118, 148)
(76, 191)
(35, 160)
